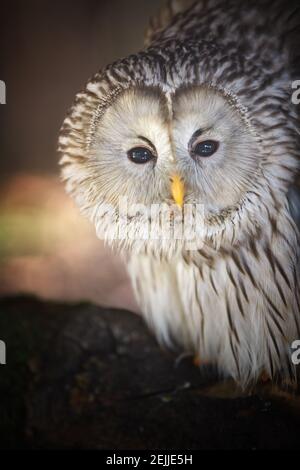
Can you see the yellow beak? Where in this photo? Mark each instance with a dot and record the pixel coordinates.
(177, 190)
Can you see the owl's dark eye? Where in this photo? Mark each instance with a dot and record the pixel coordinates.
(140, 155)
(205, 148)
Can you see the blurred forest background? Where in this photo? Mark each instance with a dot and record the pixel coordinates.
(48, 50)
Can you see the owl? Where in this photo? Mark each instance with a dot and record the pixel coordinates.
(201, 119)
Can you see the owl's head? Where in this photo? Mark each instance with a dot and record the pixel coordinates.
(143, 142)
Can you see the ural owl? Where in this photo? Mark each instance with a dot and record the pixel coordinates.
(202, 117)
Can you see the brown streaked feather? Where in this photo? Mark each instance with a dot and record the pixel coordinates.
(165, 16)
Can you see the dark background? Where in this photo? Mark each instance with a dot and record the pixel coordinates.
(48, 50)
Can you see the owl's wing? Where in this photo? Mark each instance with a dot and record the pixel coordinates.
(164, 17)
(294, 201)
(292, 40)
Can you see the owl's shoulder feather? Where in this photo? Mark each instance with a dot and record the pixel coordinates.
(294, 201)
(165, 16)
